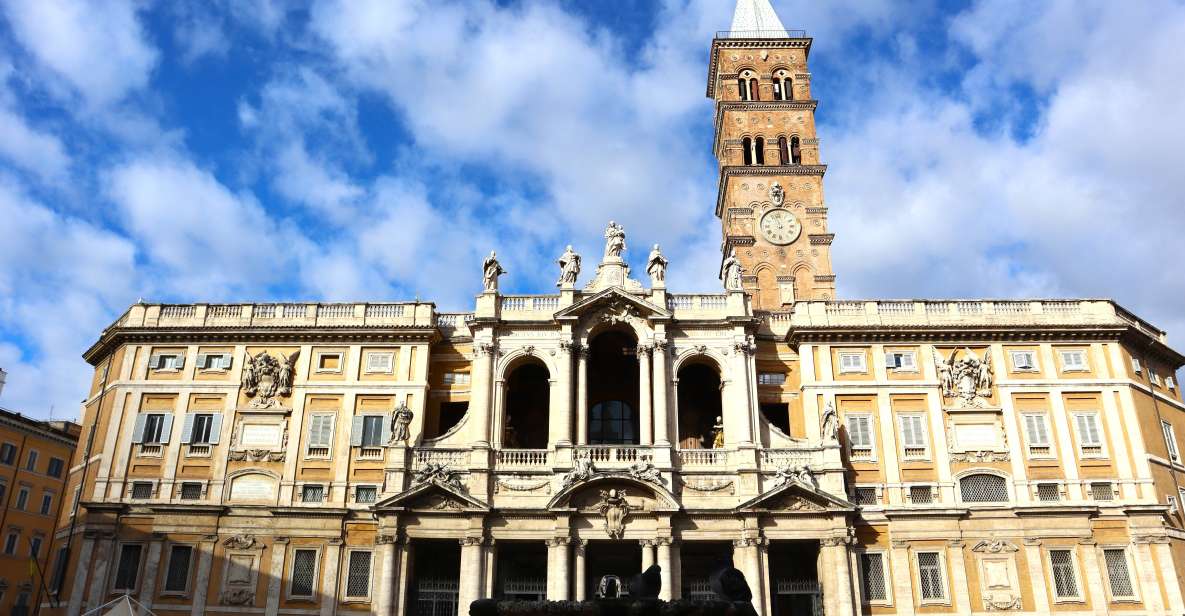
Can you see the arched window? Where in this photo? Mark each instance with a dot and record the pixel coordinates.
(983, 488)
(784, 150)
(747, 155)
(613, 389)
(795, 151)
(783, 86)
(754, 90)
(699, 404)
(527, 405)
(743, 88)
(747, 85)
(759, 151)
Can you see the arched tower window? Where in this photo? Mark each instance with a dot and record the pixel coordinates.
(759, 151)
(784, 150)
(699, 403)
(747, 155)
(754, 90)
(527, 405)
(783, 86)
(795, 151)
(747, 85)
(613, 389)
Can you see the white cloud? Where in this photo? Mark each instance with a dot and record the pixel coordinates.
(200, 35)
(99, 50)
(36, 151)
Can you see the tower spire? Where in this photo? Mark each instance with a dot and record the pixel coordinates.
(757, 17)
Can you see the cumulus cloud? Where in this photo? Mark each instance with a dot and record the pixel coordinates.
(33, 150)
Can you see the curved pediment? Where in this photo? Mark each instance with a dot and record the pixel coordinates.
(641, 495)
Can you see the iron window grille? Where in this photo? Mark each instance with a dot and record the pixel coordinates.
(177, 575)
(141, 490)
(872, 566)
(191, 490)
(1118, 575)
(304, 571)
(128, 569)
(921, 495)
(1065, 583)
(365, 494)
(983, 488)
(1048, 492)
(930, 576)
(1102, 491)
(312, 493)
(866, 496)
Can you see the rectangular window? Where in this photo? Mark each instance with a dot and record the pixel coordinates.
(304, 573)
(59, 570)
(1155, 378)
(46, 503)
(1048, 492)
(771, 378)
(141, 490)
(1090, 439)
(201, 431)
(901, 361)
(1037, 433)
(860, 436)
(365, 494)
(372, 430)
(921, 495)
(456, 378)
(128, 569)
(913, 436)
(872, 571)
(1023, 361)
(1065, 583)
(1118, 575)
(1136, 367)
(1170, 440)
(191, 490)
(329, 362)
(10, 543)
(320, 435)
(7, 453)
(381, 363)
(214, 361)
(1074, 360)
(3, 489)
(177, 574)
(866, 496)
(1170, 383)
(35, 547)
(153, 428)
(1102, 491)
(166, 362)
(312, 493)
(22, 498)
(850, 363)
(55, 468)
(358, 575)
(31, 462)
(930, 576)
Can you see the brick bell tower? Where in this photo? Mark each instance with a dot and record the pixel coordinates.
(770, 198)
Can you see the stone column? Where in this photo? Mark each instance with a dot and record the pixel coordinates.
(99, 570)
(837, 582)
(581, 584)
(479, 397)
(664, 561)
(1036, 575)
(557, 575)
(645, 411)
(647, 553)
(201, 585)
(958, 579)
(662, 431)
(151, 569)
(746, 554)
(402, 581)
(491, 562)
(738, 418)
(561, 399)
(389, 575)
(276, 575)
(81, 568)
(582, 395)
(471, 578)
(329, 577)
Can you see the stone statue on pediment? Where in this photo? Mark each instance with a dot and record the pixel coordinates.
(490, 270)
(614, 240)
(730, 272)
(656, 266)
(569, 267)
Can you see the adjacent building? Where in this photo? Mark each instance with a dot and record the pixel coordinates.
(879, 457)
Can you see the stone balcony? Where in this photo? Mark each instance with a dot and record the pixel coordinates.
(624, 456)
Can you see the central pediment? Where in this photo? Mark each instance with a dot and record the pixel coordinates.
(612, 301)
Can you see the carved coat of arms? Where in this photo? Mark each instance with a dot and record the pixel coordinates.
(266, 378)
(968, 379)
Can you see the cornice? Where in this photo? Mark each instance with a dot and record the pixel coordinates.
(946, 333)
(745, 43)
(112, 338)
(33, 426)
(760, 171)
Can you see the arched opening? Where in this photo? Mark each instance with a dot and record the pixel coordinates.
(767, 296)
(783, 86)
(613, 389)
(699, 405)
(802, 283)
(747, 86)
(783, 151)
(754, 91)
(743, 88)
(795, 151)
(527, 404)
(747, 154)
(759, 151)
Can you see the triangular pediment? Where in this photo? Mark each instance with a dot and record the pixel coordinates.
(612, 298)
(798, 497)
(432, 495)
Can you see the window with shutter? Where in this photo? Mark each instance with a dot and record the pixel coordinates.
(200, 431)
(1136, 367)
(55, 467)
(1065, 583)
(46, 503)
(913, 436)
(358, 575)
(372, 431)
(304, 572)
(852, 363)
(860, 436)
(1118, 574)
(177, 576)
(1037, 433)
(1170, 383)
(128, 569)
(31, 462)
(1090, 440)
(1074, 360)
(320, 435)
(872, 569)
(1023, 361)
(1170, 440)
(930, 576)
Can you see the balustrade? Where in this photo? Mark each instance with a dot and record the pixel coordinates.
(522, 458)
(610, 455)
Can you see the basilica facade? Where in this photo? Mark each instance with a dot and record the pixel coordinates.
(875, 457)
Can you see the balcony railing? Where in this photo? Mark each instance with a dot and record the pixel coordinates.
(772, 459)
(277, 315)
(759, 34)
(703, 457)
(616, 455)
(522, 458)
(530, 303)
(453, 458)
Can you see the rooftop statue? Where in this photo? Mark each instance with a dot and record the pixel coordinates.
(614, 240)
(569, 267)
(490, 270)
(656, 266)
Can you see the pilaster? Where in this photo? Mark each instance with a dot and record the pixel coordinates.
(279, 553)
(329, 589)
(201, 584)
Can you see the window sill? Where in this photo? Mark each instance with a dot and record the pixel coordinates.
(1069, 600)
(929, 602)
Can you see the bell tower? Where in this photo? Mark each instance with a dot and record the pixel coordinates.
(770, 198)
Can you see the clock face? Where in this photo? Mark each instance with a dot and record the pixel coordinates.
(780, 227)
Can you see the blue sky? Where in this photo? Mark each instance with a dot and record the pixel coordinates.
(367, 150)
